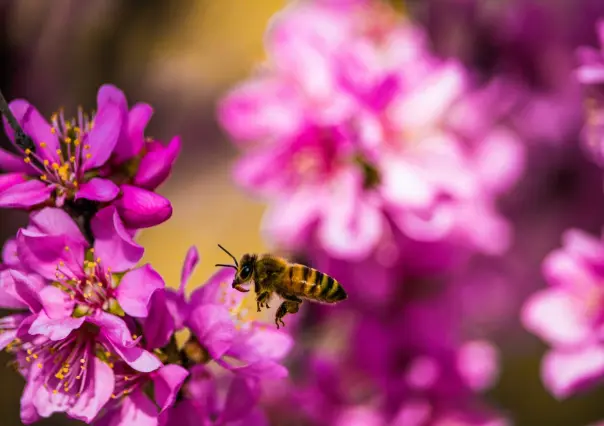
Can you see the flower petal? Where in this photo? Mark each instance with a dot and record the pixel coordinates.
(117, 336)
(212, 291)
(478, 364)
(134, 139)
(136, 288)
(177, 307)
(57, 304)
(27, 288)
(140, 208)
(259, 369)
(26, 194)
(564, 373)
(54, 221)
(155, 166)
(103, 137)
(159, 326)
(191, 261)
(9, 180)
(113, 244)
(213, 327)
(13, 163)
(10, 256)
(54, 329)
(167, 381)
(98, 189)
(43, 253)
(9, 298)
(94, 396)
(556, 317)
(35, 126)
(241, 398)
(262, 343)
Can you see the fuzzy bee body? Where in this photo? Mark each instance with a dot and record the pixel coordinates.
(293, 282)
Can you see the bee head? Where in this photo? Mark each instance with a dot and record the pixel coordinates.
(244, 268)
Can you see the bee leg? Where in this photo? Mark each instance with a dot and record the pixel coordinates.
(262, 300)
(287, 307)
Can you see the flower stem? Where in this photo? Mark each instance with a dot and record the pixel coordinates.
(21, 139)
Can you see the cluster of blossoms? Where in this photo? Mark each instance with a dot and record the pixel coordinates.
(381, 167)
(568, 314)
(92, 332)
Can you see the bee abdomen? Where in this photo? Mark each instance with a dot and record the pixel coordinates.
(322, 287)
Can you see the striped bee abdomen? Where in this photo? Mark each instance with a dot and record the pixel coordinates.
(315, 285)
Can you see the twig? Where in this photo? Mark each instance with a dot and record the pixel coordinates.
(21, 139)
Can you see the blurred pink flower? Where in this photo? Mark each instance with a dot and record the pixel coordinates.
(591, 70)
(570, 313)
(353, 141)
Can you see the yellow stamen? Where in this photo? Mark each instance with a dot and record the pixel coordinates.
(27, 160)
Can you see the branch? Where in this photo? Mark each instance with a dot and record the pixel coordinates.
(21, 139)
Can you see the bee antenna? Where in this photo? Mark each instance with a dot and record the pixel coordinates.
(232, 257)
(227, 266)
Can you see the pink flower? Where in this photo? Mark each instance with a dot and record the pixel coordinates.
(569, 314)
(591, 70)
(353, 142)
(102, 159)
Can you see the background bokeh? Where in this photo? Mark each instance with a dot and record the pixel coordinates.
(182, 55)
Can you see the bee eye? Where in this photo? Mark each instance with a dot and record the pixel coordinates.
(245, 272)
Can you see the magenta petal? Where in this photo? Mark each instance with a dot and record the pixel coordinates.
(54, 221)
(159, 326)
(113, 244)
(214, 288)
(133, 139)
(117, 336)
(26, 194)
(213, 327)
(96, 394)
(43, 253)
(27, 287)
(136, 288)
(9, 180)
(155, 166)
(260, 369)
(98, 189)
(57, 304)
(13, 163)
(35, 126)
(9, 298)
(103, 137)
(167, 381)
(567, 372)
(140, 208)
(241, 398)
(135, 409)
(177, 306)
(10, 256)
(263, 343)
(54, 329)
(110, 94)
(191, 261)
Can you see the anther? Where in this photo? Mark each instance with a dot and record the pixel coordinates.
(27, 160)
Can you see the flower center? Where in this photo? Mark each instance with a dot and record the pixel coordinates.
(92, 289)
(237, 306)
(126, 380)
(65, 168)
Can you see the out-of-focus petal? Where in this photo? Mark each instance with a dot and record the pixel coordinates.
(167, 381)
(564, 373)
(213, 327)
(9, 180)
(160, 324)
(478, 363)
(189, 265)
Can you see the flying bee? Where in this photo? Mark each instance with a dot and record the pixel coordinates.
(291, 281)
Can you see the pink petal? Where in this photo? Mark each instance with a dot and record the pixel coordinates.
(177, 307)
(54, 221)
(160, 324)
(57, 303)
(214, 289)
(136, 288)
(109, 94)
(167, 381)
(9, 297)
(103, 137)
(140, 208)
(591, 74)
(36, 127)
(565, 373)
(565, 270)
(119, 340)
(264, 343)
(213, 327)
(404, 186)
(94, 396)
(259, 369)
(241, 398)
(43, 253)
(27, 287)
(98, 189)
(556, 317)
(54, 329)
(26, 194)
(10, 256)
(113, 244)
(9, 180)
(478, 364)
(191, 261)
(155, 166)
(13, 163)
(133, 143)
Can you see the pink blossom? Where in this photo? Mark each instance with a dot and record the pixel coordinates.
(103, 158)
(353, 142)
(568, 314)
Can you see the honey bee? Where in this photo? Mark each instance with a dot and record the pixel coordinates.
(291, 281)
